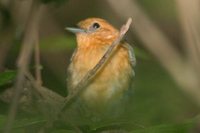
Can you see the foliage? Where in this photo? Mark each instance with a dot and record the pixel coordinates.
(24, 123)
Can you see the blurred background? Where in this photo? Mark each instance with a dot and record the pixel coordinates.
(164, 34)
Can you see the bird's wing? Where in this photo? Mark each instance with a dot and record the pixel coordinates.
(131, 54)
(132, 60)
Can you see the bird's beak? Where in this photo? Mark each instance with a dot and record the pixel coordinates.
(75, 30)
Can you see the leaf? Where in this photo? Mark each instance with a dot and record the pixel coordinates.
(6, 77)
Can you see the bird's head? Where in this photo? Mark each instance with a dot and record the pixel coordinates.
(94, 31)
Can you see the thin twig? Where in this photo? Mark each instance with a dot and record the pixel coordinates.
(38, 74)
(24, 59)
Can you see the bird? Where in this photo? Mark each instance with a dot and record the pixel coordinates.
(94, 36)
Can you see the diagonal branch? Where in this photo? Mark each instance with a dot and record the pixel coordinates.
(38, 68)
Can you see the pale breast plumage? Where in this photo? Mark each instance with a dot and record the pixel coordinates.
(111, 82)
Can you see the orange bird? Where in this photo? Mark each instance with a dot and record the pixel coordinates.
(94, 36)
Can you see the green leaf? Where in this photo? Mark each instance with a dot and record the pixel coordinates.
(6, 77)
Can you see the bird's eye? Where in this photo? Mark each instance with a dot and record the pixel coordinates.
(96, 26)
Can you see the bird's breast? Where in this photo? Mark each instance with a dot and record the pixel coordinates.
(110, 82)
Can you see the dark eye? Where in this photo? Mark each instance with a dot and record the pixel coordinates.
(95, 25)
